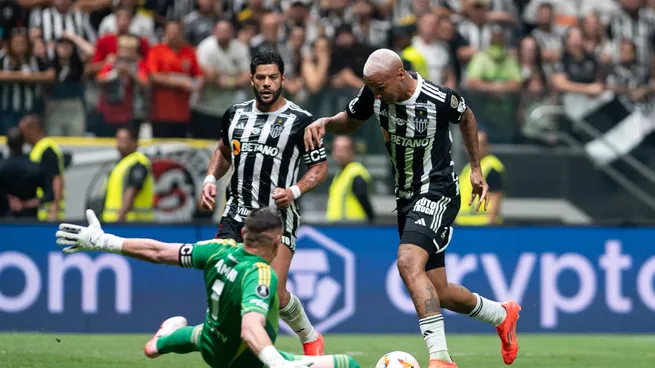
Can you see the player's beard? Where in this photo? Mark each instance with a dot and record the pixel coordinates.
(276, 95)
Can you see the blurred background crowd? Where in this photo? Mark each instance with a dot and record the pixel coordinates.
(170, 68)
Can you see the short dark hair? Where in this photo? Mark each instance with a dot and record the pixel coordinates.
(15, 140)
(263, 219)
(267, 57)
(130, 132)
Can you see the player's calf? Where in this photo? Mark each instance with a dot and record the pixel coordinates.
(411, 266)
(174, 336)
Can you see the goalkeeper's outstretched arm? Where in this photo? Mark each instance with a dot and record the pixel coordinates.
(92, 238)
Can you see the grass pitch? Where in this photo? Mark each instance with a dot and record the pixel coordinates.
(35, 350)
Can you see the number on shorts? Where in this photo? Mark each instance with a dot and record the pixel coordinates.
(217, 289)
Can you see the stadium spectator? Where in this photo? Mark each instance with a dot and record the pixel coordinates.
(298, 14)
(294, 84)
(401, 43)
(550, 42)
(130, 189)
(348, 58)
(459, 49)
(349, 196)
(65, 113)
(336, 15)
(251, 11)
(578, 70)
(534, 87)
(494, 75)
(199, 24)
(225, 63)
(62, 17)
(629, 79)
(21, 77)
(268, 39)
(124, 83)
(475, 28)
(107, 45)
(175, 77)
(367, 29)
(633, 21)
(19, 180)
(435, 52)
(316, 65)
(139, 24)
(593, 35)
(11, 16)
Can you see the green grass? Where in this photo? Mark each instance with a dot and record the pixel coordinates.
(19, 350)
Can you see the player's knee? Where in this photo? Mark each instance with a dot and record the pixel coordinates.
(411, 260)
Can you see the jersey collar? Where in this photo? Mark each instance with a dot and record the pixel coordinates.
(256, 110)
(412, 99)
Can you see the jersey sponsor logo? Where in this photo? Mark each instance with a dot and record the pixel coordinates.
(243, 212)
(426, 206)
(265, 150)
(322, 276)
(285, 240)
(186, 255)
(256, 131)
(398, 121)
(263, 291)
(277, 128)
(421, 119)
(410, 142)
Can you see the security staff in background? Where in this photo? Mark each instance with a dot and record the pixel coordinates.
(494, 173)
(19, 180)
(130, 189)
(46, 153)
(349, 192)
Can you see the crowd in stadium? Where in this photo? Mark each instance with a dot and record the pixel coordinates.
(92, 66)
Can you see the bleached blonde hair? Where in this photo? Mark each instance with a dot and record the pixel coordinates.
(381, 61)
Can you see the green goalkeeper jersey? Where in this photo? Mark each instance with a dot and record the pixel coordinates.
(236, 282)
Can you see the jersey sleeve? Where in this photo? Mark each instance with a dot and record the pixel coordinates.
(137, 176)
(454, 106)
(198, 254)
(225, 125)
(318, 154)
(258, 290)
(361, 107)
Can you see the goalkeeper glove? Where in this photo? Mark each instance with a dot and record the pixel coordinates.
(77, 238)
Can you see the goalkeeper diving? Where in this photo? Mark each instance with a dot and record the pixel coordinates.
(241, 324)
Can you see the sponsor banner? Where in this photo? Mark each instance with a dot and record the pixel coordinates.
(567, 280)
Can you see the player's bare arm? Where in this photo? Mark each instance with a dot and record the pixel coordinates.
(92, 238)
(219, 165)
(316, 174)
(340, 123)
(469, 128)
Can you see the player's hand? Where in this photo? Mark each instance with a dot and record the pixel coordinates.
(208, 196)
(283, 197)
(480, 189)
(78, 238)
(314, 134)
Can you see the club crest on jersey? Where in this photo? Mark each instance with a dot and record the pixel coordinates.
(277, 128)
(420, 119)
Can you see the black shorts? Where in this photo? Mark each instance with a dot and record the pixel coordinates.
(229, 228)
(427, 222)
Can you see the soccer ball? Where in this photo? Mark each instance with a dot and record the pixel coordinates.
(397, 359)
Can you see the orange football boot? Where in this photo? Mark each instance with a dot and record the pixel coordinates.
(314, 348)
(509, 346)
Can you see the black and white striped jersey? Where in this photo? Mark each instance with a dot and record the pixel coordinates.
(417, 136)
(267, 149)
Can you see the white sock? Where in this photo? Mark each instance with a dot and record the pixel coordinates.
(294, 315)
(488, 311)
(434, 334)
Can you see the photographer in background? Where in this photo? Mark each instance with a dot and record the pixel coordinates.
(124, 83)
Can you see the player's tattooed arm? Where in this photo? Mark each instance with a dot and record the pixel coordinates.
(221, 161)
(469, 128)
(313, 177)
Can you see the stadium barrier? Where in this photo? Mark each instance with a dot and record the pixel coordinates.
(568, 279)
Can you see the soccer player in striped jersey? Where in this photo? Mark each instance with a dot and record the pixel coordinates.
(241, 323)
(415, 117)
(262, 140)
